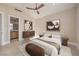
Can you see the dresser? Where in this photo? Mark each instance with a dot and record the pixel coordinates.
(14, 34)
(27, 34)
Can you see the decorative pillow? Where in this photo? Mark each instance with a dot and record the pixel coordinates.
(47, 35)
(56, 36)
(50, 36)
(40, 35)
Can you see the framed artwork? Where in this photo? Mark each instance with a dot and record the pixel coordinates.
(53, 25)
(27, 25)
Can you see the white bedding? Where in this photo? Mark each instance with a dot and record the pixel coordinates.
(49, 49)
(56, 40)
(64, 51)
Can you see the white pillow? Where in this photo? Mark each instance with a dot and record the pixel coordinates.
(47, 34)
(34, 37)
(56, 36)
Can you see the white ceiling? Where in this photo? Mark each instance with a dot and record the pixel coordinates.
(49, 8)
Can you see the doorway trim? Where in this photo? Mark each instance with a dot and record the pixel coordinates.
(9, 25)
(2, 29)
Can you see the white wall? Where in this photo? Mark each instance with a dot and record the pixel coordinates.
(7, 10)
(67, 23)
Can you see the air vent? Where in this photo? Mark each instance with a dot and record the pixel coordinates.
(18, 10)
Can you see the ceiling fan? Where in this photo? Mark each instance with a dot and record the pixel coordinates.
(36, 8)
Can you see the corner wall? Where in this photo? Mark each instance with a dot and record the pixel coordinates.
(67, 23)
(77, 24)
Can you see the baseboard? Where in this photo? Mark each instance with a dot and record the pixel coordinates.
(72, 43)
(4, 43)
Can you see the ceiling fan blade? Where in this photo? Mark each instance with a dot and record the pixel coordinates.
(18, 10)
(30, 8)
(36, 6)
(38, 12)
(40, 6)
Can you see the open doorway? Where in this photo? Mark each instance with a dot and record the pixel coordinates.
(14, 28)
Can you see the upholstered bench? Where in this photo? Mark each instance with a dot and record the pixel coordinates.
(34, 50)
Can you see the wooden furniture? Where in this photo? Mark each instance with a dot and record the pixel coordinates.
(65, 41)
(27, 34)
(34, 50)
(14, 34)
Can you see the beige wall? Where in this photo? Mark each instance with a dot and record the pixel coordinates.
(77, 24)
(7, 10)
(67, 23)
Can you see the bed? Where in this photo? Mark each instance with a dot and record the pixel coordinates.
(51, 45)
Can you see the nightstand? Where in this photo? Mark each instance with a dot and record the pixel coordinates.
(65, 41)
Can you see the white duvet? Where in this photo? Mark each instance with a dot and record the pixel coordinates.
(53, 39)
(49, 49)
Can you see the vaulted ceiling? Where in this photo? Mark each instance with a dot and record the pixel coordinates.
(49, 8)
